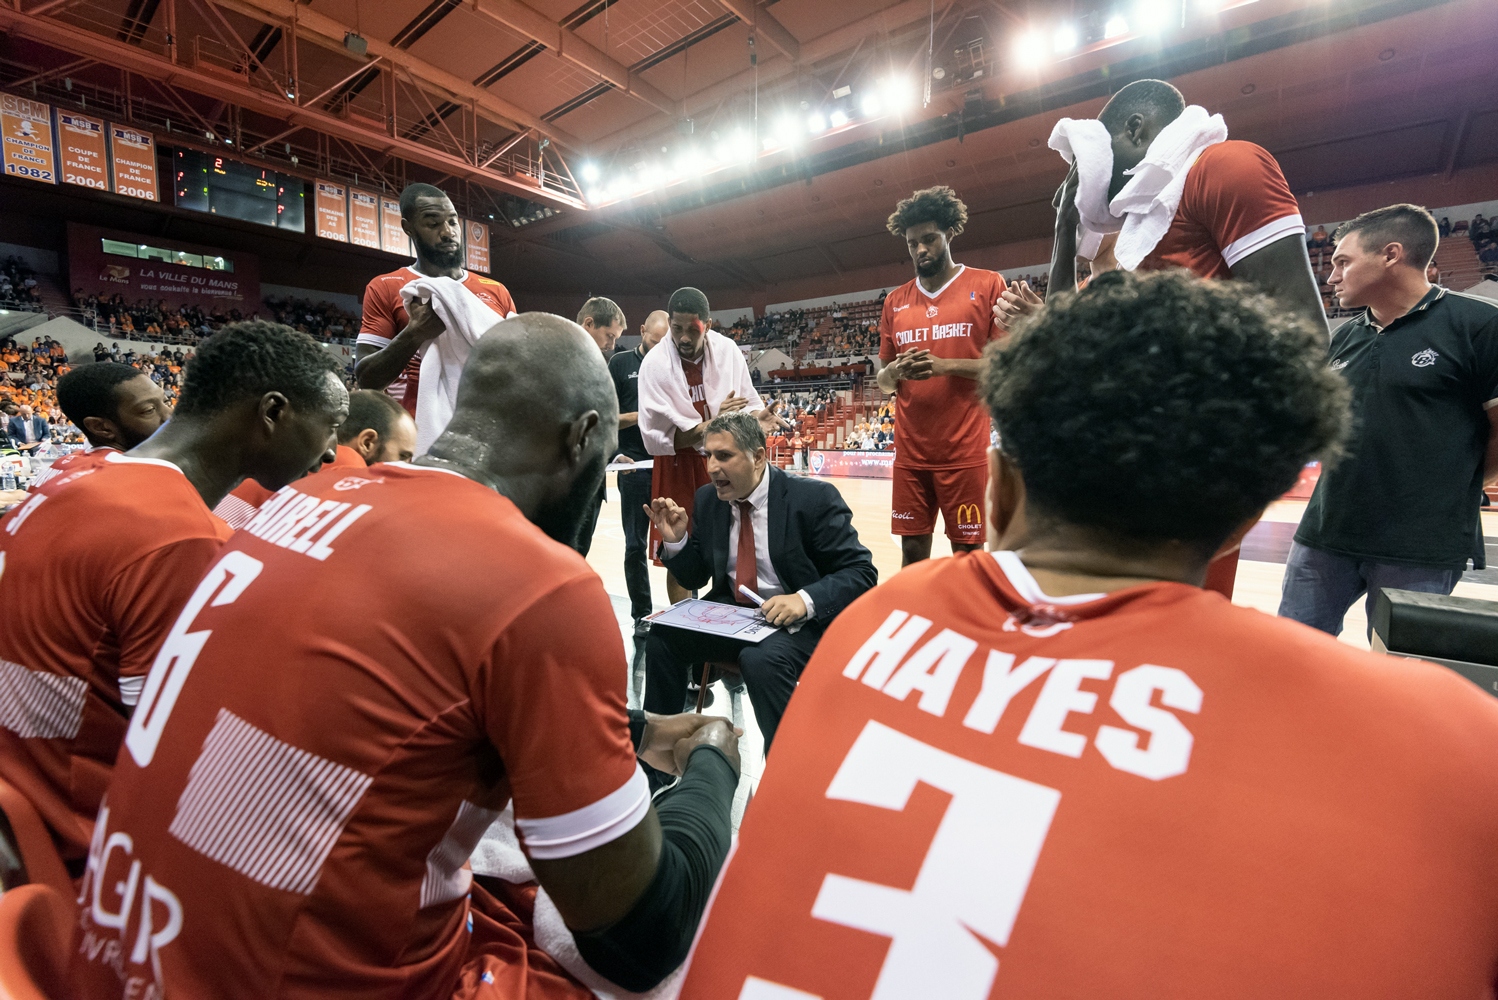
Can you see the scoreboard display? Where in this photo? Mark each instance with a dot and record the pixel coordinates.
(207, 182)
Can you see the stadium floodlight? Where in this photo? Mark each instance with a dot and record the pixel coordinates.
(589, 171)
(870, 105)
(1064, 39)
(1156, 15)
(898, 93)
(741, 146)
(787, 131)
(1029, 50)
(838, 118)
(816, 123)
(1117, 25)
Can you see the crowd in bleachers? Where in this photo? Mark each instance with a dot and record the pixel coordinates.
(802, 413)
(1484, 236)
(18, 287)
(28, 377)
(153, 320)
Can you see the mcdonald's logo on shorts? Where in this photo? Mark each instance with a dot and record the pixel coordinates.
(969, 513)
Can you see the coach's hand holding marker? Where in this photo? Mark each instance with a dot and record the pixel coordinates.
(782, 610)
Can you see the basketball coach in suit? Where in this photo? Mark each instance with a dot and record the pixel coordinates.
(788, 539)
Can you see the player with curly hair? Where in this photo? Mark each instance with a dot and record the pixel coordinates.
(96, 564)
(1063, 769)
(931, 336)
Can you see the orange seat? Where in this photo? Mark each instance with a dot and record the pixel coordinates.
(24, 839)
(36, 935)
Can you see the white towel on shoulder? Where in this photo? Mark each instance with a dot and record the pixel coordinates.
(666, 402)
(465, 319)
(499, 855)
(1142, 212)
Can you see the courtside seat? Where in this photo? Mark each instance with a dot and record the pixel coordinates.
(27, 854)
(36, 933)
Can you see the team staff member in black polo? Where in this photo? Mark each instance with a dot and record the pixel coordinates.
(634, 487)
(1401, 508)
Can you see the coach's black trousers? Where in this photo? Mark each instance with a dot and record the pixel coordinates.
(770, 668)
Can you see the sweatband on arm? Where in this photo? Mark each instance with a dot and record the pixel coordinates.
(636, 728)
(652, 939)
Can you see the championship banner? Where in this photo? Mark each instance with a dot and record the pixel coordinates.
(134, 156)
(393, 238)
(331, 209)
(81, 151)
(26, 127)
(363, 218)
(478, 246)
(854, 464)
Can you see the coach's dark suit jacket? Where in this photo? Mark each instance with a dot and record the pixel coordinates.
(813, 545)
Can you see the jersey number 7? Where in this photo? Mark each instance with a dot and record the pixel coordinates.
(971, 882)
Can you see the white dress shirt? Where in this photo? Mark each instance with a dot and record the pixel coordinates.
(768, 583)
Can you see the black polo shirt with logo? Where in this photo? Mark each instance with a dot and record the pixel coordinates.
(624, 369)
(1410, 486)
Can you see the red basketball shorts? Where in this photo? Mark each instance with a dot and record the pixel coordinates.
(957, 493)
(679, 477)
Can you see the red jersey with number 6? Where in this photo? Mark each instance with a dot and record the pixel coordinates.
(983, 791)
(940, 423)
(341, 711)
(385, 316)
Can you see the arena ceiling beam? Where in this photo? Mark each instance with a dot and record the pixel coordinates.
(778, 67)
(568, 45)
(236, 90)
(763, 24)
(329, 33)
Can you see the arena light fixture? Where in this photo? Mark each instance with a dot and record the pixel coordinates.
(1116, 26)
(816, 123)
(1029, 50)
(898, 94)
(871, 105)
(1064, 39)
(1155, 15)
(589, 171)
(838, 118)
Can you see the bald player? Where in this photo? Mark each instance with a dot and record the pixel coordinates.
(300, 799)
(377, 429)
(1237, 219)
(96, 564)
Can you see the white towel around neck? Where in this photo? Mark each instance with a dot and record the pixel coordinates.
(1142, 212)
(666, 402)
(465, 319)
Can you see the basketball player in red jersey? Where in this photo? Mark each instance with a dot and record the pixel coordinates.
(1064, 770)
(377, 429)
(1237, 219)
(96, 564)
(114, 405)
(387, 354)
(318, 752)
(931, 337)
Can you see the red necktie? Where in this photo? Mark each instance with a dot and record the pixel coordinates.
(746, 569)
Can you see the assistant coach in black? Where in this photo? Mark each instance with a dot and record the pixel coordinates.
(634, 487)
(1401, 509)
(788, 539)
